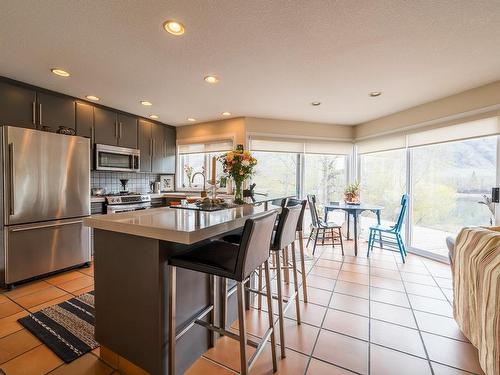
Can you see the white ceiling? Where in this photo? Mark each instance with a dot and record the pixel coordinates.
(273, 57)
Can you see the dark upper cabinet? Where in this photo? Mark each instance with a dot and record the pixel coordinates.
(170, 138)
(144, 141)
(159, 154)
(17, 106)
(127, 131)
(105, 127)
(84, 120)
(55, 111)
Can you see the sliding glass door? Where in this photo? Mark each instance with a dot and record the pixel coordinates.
(447, 182)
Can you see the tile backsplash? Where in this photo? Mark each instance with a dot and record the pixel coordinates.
(137, 182)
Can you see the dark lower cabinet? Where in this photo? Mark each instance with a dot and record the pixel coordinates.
(127, 131)
(105, 127)
(17, 106)
(144, 141)
(55, 111)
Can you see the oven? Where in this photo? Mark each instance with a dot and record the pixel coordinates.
(113, 158)
(127, 202)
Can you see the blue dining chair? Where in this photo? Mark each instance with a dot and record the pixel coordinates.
(390, 236)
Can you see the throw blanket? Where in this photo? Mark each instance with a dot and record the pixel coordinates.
(476, 288)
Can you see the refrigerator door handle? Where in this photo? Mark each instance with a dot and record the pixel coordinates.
(46, 226)
(11, 178)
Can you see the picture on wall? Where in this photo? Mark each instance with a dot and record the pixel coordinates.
(167, 182)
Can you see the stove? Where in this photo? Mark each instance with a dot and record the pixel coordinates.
(122, 202)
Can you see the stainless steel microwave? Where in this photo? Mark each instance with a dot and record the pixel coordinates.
(113, 158)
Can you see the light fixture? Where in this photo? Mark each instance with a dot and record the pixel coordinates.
(191, 119)
(174, 27)
(226, 113)
(374, 94)
(211, 79)
(146, 103)
(154, 117)
(59, 72)
(315, 104)
(92, 97)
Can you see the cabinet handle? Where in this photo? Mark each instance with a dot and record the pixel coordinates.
(11, 178)
(151, 146)
(154, 146)
(116, 129)
(120, 133)
(46, 226)
(33, 109)
(40, 114)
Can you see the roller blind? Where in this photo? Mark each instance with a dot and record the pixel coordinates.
(214, 146)
(466, 130)
(312, 146)
(381, 143)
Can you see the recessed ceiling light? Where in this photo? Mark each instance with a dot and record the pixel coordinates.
(315, 104)
(174, 27)
(226, 113)
(191, 119)
(146, 103)
(154, 116)
(211, 79)
(92, 97)
(374, 94)
(59, 72)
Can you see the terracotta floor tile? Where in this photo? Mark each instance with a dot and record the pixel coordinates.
(227, 352)
(354, 277)
(343, 351)
(382, 282)
(325, 272)
(413, 268)
(392, 314)
(22, 290)
(9, 308)
(444, 282)
(417, 278)
(444, 272)
(256, 321)
(63, 277)
(83, 290)
(87, 270)
(351, 304)
(293, 364)
(320, 282)
(389, 296)
(52, 302)
(126, 367)
(205, 367)
(40, 297)
(16, 344)
(108, 356)
(317, 367)
(346, 323)
(397, 337)
(385, 265)
(385, 361)
(10, 325)
(440, 325)
(75, 284)
(37, 361)
(359, 268)
(388, 274)
(299, 337)
(327, 263)
(360, 259)
(424, 290)
(3, 299)
(440, 369)
(87, 364)
(452, 352)
(448, 293)
(356, 290)
(309, 313)
(431, 305)
(317, 296)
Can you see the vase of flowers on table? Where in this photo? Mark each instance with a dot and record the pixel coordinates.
(351, 193)
(238, 165)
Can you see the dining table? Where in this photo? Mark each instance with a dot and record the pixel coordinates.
(353, 210)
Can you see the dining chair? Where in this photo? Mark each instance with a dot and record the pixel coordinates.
(319, 227)
(389, 237)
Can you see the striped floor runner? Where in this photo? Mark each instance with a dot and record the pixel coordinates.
(67, 328)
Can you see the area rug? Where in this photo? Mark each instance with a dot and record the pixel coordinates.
(67, 328)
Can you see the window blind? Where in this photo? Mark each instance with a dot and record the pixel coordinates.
(381, 143)
(295, 145)
(196, 148)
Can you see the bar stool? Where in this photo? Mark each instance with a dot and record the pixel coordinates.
(229, 261)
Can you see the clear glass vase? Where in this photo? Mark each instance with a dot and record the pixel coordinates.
(238, 193)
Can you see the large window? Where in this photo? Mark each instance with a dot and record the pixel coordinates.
(276, 173)
(448, 181)
(325, 176)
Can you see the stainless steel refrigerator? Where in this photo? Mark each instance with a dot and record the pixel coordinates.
(45, 195)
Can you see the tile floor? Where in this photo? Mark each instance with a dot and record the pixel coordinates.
(375, 316)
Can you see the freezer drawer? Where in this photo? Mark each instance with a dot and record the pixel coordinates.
(36, 249)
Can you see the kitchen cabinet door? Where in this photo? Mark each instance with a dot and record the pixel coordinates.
(170, 144)
(85, 125)
(17, 106)
(55, 111)
(159, 156)
(127, 131)
(105, 127)
(145, 145)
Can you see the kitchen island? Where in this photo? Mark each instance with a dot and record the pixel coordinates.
(131, 250)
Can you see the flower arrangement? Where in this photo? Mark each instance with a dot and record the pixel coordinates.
(188, 170)
(238, 165)
(351, 193)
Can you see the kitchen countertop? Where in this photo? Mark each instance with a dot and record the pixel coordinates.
(173, 194)
(175, 225)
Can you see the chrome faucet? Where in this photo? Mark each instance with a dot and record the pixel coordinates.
(204, 179)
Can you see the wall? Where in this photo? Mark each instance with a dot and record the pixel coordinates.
(231, 128)
(481, 98)
(138, 182)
